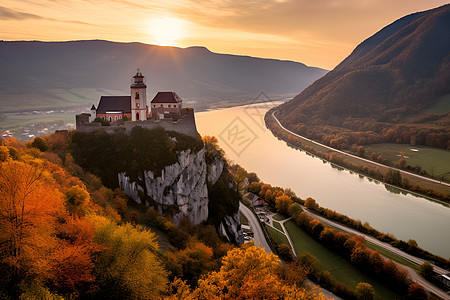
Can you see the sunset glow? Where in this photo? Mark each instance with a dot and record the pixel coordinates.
(166, 31)
(317, 33)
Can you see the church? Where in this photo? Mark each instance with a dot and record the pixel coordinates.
(134, 107)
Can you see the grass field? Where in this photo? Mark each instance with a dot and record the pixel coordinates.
(435, 161)
(277, 226)
(442, 105)
(277, 236)
(392, 256)
(14, 121)
(339, 268)
(279, 217)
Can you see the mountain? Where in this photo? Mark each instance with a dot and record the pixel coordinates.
(400, 75)
(56, 74)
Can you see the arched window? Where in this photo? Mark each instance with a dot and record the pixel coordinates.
(110, 119)
(115, 118)
(137, 116)
(169, 105)
(137, 95)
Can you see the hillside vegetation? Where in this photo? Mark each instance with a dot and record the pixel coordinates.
(66, 236)
(390, 89)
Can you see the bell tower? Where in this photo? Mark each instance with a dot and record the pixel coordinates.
(138, 97)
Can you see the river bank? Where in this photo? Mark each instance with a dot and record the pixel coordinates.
(438, 191)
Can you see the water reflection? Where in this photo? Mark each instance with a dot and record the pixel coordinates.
(387, 208)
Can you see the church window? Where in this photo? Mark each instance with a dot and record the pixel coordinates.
(137, 96)
(110, 119)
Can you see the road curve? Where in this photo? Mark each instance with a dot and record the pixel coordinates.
(358, 157)
(414, 276)
(259, 238)
(260, 241)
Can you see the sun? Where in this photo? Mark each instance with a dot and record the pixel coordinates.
(166, 31)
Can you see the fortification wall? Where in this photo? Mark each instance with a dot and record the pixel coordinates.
(185, 125)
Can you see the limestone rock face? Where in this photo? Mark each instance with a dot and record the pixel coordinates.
(181, 187)
(230, 227)
(215, 170)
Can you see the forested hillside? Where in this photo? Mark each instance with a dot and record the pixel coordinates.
(66, 236)
(394, 87)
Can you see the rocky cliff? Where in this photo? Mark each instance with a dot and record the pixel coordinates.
(182, 189)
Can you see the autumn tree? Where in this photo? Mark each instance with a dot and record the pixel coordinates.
(29, 207)
(282, 204)
(129, 266)
(416, 292)
(190, 263)
(426, 270)
(285, 252)
(249, 272)
(364, 291)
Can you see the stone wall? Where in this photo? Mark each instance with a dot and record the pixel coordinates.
(185, 125)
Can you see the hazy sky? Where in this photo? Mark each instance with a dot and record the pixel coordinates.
(316, 32)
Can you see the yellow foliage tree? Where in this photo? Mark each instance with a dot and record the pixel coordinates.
(247, 272)
(128, 268)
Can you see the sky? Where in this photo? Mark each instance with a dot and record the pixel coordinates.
(319, 33)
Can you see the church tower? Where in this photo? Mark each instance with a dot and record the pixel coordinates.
(138, 97)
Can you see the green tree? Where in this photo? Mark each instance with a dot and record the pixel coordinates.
(364, 291)
(295, 209)
(40, 144)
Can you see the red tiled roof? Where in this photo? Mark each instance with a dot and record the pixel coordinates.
(166, 97)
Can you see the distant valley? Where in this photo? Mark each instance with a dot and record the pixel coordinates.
(48, 75)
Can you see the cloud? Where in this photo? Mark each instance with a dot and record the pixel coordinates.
(10, 14)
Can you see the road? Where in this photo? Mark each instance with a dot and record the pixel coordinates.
(358, 157)
(414, 276)
(260, 240)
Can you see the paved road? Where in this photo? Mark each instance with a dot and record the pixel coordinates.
(260, 240)
(358, 157)
(414, 276)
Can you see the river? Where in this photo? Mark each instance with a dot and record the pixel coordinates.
(247, 142)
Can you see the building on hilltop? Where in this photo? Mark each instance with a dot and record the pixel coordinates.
(166, 111)
(166, 105)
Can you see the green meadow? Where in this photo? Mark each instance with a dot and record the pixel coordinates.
(339, 268)
(435, 161)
